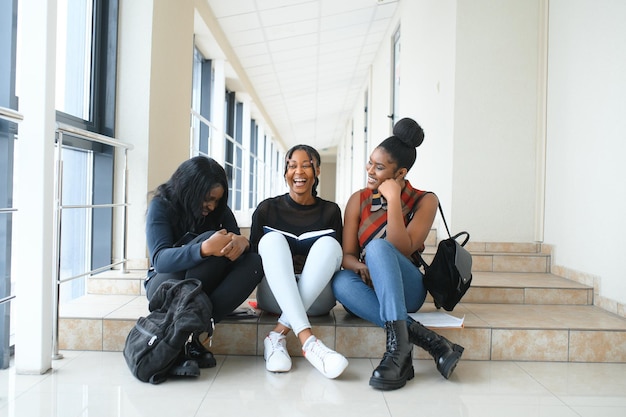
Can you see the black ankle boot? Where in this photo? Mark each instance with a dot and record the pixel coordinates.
(185, 367)
(196, 351)
(396, 367)
(445, 353)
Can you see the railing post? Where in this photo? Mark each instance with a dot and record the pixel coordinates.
(58, 182)
(94, 137)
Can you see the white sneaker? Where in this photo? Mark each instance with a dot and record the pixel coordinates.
(330, 363)
(276, 357)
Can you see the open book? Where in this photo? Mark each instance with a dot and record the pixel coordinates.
(438, 320)
(300, 245)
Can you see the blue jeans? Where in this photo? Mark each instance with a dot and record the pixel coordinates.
(398, 287)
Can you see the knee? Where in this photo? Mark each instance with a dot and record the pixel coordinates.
(270, 241)
(329, 242)
(379, 247)
(254, 259)
(255, 264)
(327, 248)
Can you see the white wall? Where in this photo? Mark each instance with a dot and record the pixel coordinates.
(153, 99)
(493, 189)
(469, 77)
(427, 91)
(586, 172)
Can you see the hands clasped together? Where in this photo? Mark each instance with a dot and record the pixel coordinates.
(223, 243)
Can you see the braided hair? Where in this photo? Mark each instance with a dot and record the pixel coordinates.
(313, 155)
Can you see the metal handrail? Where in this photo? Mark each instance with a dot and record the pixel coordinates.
(15, 117)
(194, 146)
(91, 136)
(64, 129)
(6, 299)
(10, 115)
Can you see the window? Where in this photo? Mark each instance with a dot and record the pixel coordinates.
(85, 98)
(233, 156)
(395, 86)
(74, 40)
(365, 135)
(86, 64)
(253, 174)
(201, 104)
(8, 130)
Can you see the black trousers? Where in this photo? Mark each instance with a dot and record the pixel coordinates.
(227, 283)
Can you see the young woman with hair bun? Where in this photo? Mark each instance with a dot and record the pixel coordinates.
(384, 224)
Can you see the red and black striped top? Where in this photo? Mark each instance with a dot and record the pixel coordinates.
(373, 223)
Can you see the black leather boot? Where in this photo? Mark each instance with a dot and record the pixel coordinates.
(445, 353)
(396, 367)
(185, 367)
(196, 351)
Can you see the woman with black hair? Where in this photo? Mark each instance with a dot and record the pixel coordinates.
(384, 224)
(192, 233)
(297, 279)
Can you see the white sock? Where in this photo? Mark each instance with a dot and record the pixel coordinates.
(311, 339)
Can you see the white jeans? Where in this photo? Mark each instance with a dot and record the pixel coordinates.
(295, 297)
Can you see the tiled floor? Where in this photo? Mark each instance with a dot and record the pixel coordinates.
(98, 384)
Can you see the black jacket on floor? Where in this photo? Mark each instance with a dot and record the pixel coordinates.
(177, 310)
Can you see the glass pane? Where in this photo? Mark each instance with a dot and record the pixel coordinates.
(75, 222)
(6, 227)
(195, 103)
(396, 77)
(74, 44)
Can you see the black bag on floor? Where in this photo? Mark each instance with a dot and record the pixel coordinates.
(449, 275)
(177, 310)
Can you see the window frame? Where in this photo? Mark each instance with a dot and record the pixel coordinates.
(103, 72)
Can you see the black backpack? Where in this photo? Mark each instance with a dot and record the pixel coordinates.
(449, 275)
(177, 310)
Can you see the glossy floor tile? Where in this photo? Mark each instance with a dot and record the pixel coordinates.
(98, 384)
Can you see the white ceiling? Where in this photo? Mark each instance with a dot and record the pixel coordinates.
(306, 60)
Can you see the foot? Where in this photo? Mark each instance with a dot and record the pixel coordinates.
(186, 367)
(330, 363)
(447, 362)
(196, 351)
(392, 373)
(276, 357)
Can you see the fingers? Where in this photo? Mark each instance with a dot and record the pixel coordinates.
(233, 249)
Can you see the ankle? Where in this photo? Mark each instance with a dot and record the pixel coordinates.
(308, 341)
(304, 336)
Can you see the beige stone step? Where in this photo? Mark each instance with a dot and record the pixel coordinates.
(117, 282)
(525, 332)
(526, 288)
(503, 257)
(515, 310)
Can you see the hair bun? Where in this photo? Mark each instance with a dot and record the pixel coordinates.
(409, 132)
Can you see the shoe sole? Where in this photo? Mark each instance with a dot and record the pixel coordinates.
(388, 385)
(276, 370)
(336, 374)
(449, 363)
(184, 371)
(207, 363)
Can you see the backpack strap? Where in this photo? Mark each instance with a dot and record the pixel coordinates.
(416, 256)
(467, 236)
(445, 223)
